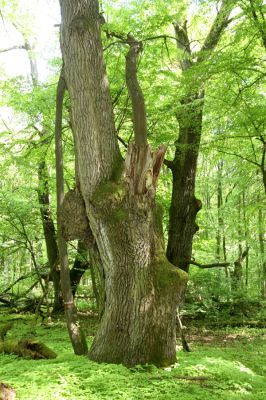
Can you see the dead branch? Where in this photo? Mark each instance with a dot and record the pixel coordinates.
(21, 47)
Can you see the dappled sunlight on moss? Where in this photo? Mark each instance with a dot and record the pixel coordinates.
(208, 372)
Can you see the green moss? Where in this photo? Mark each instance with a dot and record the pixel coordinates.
(232, 371)
(113, 188)
(29, 349)
(168, 275)
(109, 191)
(158, 220)
(118, 168)
(118, 215)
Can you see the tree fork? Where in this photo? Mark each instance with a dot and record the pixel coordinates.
(142, 288)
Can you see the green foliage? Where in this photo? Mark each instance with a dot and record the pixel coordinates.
(231, 156)
(234, 371)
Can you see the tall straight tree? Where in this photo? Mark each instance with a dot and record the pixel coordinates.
(142, 288)
(184, 205)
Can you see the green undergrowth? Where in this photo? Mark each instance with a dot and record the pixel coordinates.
(215, 369)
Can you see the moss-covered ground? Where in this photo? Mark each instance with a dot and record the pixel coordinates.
(226, 364)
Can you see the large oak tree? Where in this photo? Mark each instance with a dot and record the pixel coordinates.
(142, 288)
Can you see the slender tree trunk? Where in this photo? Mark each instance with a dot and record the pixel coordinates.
(50, 236)
(262, 253)
(219, 235)
(237, 273)
(75, 333)
(246, 235)
(142, 288)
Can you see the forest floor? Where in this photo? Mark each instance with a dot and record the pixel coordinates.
(223, 364)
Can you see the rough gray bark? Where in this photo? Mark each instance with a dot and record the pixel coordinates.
(142, 288)
(184, 205)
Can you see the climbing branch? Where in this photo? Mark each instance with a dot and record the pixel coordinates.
(76, 336)
(183, 43)
(220, 23)
(133, 86)
(135, 92)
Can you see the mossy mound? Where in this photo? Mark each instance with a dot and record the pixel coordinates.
(27, 348)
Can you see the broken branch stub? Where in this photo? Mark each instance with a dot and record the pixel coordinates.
(142, 168)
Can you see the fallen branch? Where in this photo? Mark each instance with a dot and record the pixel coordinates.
(18, 280)
(29, 349)
(192, 378)
(22, 47)
(4, 329)
(6, 302)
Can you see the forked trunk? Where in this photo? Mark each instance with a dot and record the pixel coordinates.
(142, 288)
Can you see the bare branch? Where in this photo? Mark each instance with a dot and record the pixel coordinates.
(206, 266)
(239, 156)
(183, 43)
(122, 141)
(21, 47)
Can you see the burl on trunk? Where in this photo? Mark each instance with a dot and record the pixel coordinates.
(142, 288)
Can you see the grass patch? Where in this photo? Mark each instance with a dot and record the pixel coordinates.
(219, 369)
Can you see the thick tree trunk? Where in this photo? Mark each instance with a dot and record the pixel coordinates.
(237, 273)
(184, 205)
(142, 288)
